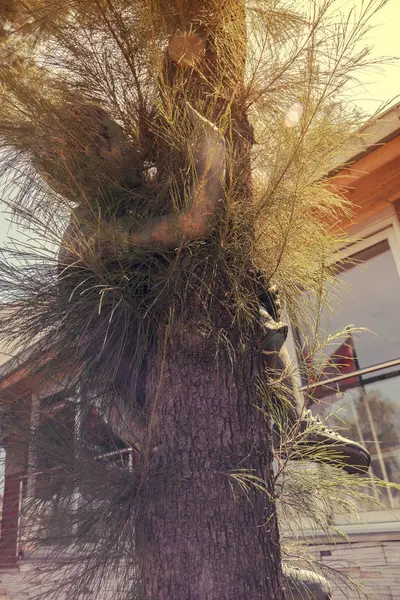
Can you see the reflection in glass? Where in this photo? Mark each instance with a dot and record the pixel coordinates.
(367, 294)
(366, 406)
(370, 414)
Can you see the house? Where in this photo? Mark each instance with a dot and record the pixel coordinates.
(368, 388)
(364, 390)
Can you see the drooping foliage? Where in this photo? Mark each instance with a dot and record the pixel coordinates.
(140, 62)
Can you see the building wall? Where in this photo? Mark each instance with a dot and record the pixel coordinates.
(372, 560)
(374, 565)
(24, 583)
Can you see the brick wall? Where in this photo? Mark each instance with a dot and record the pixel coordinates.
(375, 565)
(23, 584)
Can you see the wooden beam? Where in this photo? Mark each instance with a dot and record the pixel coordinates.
(367, 165)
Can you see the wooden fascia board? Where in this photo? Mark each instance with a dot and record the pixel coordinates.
(349, 176)
(28, 376)
(371, 184)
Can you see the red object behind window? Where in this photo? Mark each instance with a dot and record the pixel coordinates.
(342, 361)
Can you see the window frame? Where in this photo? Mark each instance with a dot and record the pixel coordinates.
(366, 234)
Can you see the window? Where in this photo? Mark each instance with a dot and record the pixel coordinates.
(54, 445)
(62, 486)
(360, 386)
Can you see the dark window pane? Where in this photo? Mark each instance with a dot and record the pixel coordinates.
(370, 298)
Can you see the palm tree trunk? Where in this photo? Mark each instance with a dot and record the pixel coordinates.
(200, 534)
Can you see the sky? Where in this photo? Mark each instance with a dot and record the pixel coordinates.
(379, 85)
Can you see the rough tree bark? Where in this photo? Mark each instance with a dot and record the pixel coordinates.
(201, 537)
